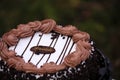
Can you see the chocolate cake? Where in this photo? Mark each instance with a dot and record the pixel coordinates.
(43, 50)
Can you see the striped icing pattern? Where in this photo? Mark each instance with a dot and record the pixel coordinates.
(62, 44)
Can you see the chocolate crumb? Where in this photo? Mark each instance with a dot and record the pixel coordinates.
(63, 37)
(55, 35)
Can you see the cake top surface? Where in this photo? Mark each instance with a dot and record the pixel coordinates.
(44, 47)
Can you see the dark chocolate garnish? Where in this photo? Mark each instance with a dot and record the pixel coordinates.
(42, 49)
(63, 37)
(40, 35)
(55, 35)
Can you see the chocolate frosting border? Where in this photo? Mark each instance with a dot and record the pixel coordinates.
(11, 38)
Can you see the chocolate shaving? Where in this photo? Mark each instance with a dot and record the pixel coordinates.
(42, 50)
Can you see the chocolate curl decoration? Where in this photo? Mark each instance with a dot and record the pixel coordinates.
(85, 52)
(72, 60)
(47, 25)
(2, 45)
(7, 54)
(12, 62)
(67, 30)
(24, 30)
(29, 68)
(52, 67)
(10, 38)
(36, 25)
(4, 52)
(83, 36)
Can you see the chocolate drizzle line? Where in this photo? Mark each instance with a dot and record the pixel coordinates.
(37, 45)
(71, 47)
(53, 47)
(27, 45)
(44, 54)
(16, 45)
(63, 50)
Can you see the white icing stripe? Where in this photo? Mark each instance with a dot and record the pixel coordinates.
(22, 44)
(34, 41)
(68, 49)
(60, 46)
(64, 51)
(36, 45)
(45, 56)
(45, 41)
(53, 47)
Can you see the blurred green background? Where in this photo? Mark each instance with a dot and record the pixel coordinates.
(100, 18)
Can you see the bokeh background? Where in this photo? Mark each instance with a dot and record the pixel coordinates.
(100, 18)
